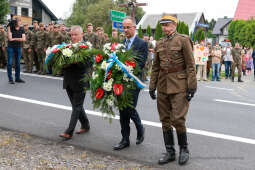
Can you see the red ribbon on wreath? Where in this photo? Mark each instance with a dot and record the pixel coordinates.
(130, 63)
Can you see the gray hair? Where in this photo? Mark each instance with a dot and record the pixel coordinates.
(130, 18)
(77, 27)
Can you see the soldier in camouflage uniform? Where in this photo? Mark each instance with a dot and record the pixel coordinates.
(3, 45)
(34, 52)
(41, 45)
(100, 37)
(56, 37)
(115, 37)
(66, 35)
(148, 63)
(236, 54)
(91, 36)
(26, 50)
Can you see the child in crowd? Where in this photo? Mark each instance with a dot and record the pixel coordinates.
(249, 64)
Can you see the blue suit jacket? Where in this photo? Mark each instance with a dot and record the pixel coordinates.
(140, 50)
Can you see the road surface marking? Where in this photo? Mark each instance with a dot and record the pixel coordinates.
(149, 123)
(234, 102)
(219, 88)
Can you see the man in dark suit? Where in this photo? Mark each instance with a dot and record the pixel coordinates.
(75, 89)
(140, 49)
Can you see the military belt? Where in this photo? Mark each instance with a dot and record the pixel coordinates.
(173, 69)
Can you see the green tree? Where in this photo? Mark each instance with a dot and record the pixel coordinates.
(158, 32)
(199, 36)
(79, 11)
(148, 30)
(182, 28)
(4, 10)
(140, 32)
(242, 32)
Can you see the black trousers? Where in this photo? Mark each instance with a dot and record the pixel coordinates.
(130, 113)
(78, 112)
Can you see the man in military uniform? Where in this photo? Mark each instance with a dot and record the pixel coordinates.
(56, 37)
(174, 77)
(26, 50)
(34, 52)
(115, 37)
(148, 63)
(100, 37)
(66, 35)
(91, 36)
(3, 45)
(41, 44)
(236, 54)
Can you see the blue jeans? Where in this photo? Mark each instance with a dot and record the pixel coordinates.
(228, 68)
(13, 52)
(215, 71)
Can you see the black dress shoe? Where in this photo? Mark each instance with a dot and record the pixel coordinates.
(11, 82)
(140, 138)
(19, 81)
(123, 144)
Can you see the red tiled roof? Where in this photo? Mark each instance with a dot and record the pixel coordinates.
(245, 9)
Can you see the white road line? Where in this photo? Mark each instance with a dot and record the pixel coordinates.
(234, 102)
(36, 75)
(149, 123)
(219, 88)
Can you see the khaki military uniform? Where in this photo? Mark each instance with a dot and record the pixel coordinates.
(236, 54)
(173, 73)
(93, 39)
(27, 45)
(41, 45)
(3, 53)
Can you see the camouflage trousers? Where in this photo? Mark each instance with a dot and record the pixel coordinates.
(173, 110)
(28, 59)
(41, 57)
(3, 57)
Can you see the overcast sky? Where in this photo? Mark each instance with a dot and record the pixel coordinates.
(211, 8)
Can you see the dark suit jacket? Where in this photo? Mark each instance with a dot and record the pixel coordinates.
(140, 49)
(74, 74)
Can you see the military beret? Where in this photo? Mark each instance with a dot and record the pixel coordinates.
(166, 18)
(41, 24)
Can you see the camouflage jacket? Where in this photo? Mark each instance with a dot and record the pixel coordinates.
(41, 39)
(29, 39)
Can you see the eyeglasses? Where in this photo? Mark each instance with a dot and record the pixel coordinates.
(127, 27)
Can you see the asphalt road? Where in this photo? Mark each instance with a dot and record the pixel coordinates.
(220, 122)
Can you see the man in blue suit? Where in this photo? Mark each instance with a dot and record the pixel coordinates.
(140, 50)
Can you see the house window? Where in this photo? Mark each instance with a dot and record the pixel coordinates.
(13, 10)
(24, 12)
